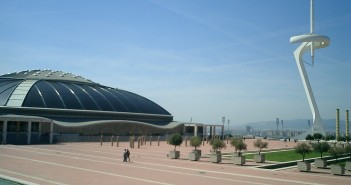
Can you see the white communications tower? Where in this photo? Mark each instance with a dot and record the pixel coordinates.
(310, 42)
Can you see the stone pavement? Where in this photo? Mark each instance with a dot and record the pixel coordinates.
(90, 163)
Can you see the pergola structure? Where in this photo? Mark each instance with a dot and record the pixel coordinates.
(199, 129)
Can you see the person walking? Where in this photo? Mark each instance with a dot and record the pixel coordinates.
(127, 155)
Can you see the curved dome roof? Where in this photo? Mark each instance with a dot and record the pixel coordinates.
(60, 90)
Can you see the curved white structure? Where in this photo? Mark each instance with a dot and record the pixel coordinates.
(309, 42)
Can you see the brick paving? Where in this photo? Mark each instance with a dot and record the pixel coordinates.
(90, 163)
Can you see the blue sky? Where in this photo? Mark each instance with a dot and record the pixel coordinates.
(199, 59)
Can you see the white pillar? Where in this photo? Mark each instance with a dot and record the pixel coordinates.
(222, 131)
(51, 131)
(195, 130)
(29, 132)
(4, 132)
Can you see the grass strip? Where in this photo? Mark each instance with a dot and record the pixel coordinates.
(285, 156)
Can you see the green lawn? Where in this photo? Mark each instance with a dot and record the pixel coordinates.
(284, 156)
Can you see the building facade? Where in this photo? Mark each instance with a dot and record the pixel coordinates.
(39, 106)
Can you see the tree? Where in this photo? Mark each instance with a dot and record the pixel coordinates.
(238, 144)
(317, 136)
(260, 144)
(309, 137)
(329, 137)
(195, 141)
(176, 140)
(321, 148)
(217, 144)
(336, 152)
(347, 139)
(303, 149)
(234, 141)
(348, 150)
(340, 138)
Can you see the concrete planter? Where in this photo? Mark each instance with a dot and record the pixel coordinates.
(195, 155)
(197, 151)
(239, 160)
(235, 154)
(337, 169)
(259, 158)
(216, 157)
(174, 154)
(303, 166)
(320, 163)
(348, 165)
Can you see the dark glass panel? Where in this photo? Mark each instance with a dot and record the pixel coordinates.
(51, 98)
(23, 126)
(67, 96)
(131, 107)
(33, 98)
(35, 127)
(102, 102)
(11, 126)
(84, 97)
(114, 100)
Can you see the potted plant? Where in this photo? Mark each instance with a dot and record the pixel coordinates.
(195, 155)
(348, 163)
(260, 158)
(321, 148)
(176, 140)
(217, 145)
(337, 169)
(239, 145)
(303, 149)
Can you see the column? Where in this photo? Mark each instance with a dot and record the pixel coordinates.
(51, 131)
(4, 131)
(214, 131)
(195, 130)
(347, 124)
(205, 130)
(222, 131)
(29, 132)
(337, 129)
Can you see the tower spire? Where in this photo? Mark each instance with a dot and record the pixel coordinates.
(312, 30)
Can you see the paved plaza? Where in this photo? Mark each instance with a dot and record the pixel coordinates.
(90, 163)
